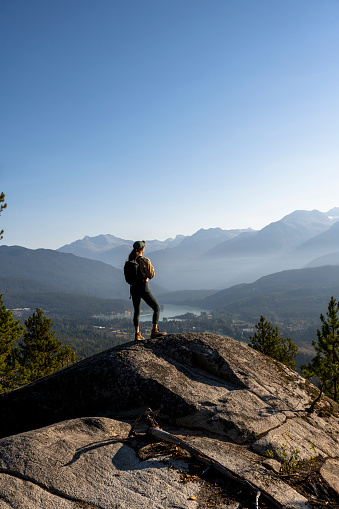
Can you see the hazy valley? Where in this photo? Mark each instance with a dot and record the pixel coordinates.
(287, 272)
(217, 259)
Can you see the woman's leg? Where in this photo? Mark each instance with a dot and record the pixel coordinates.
(152, 302)
(136, 299)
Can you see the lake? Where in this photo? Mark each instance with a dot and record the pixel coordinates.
(170, 310)
(167, 311)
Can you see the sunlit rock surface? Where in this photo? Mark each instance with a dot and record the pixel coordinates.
(66, 436)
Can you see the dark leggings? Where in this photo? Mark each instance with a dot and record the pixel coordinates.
(143, 292)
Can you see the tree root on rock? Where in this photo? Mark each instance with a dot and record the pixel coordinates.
(159, 434)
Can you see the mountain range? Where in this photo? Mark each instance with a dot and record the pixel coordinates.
(62, 272)
(61, 282)
(215, 259)
(290, 268)
(287, 296)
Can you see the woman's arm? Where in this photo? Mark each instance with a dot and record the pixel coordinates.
(146, 267)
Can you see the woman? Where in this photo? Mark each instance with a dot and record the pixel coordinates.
(141, 290)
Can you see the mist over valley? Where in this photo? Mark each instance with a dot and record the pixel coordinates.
(215, 259)
(211, 269)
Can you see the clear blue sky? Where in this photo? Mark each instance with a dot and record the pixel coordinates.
(151, 118)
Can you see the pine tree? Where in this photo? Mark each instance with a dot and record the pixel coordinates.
(40, 353)
(324, 367)
(2, 207)
(10, 330)
(267, 340)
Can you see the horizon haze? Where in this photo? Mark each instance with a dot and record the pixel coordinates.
(215, 259)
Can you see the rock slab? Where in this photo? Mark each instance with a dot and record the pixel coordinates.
(214, 384)
(85, 461)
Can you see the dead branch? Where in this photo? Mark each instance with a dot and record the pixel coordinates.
(162, 435)
(257, 499)
(148, 415)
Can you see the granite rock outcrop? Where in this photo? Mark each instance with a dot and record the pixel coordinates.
(66, 437)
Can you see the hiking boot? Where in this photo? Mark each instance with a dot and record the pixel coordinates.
(157, 334)
(138, 336)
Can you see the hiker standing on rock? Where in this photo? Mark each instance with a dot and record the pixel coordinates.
(138, 270)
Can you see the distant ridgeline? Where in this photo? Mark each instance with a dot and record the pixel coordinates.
(287, 272)
(212, 259)
(216, 259)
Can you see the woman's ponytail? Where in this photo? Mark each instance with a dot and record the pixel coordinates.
(132, 255)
